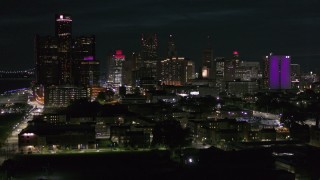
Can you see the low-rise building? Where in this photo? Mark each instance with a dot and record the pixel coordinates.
(41, 135)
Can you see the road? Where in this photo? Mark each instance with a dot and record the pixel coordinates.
(10, 146)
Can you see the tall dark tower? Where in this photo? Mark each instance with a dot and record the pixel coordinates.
(149, 47)
(63, 26)
(172, 52)
(208, 66)
(67, 68)
(149, 55)
(46, 59)
(207, 53)
(66, 60)
(63, 34)
(236, 59)
(85, 65)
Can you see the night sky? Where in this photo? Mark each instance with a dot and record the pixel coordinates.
(254, 28)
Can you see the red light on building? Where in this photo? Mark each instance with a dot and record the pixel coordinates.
(119, 55)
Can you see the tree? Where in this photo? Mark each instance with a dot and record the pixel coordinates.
(171, 134)
(101, 97)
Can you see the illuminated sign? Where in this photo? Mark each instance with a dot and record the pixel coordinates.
(88, 58)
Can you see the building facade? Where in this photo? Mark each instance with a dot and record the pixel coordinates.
(279, 72)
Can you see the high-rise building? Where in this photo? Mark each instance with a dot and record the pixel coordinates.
(63, 34)
(230, 67)
(173, 71)
(63, 61)
(279, 72)
(115, 69)
(236, 59)
(190, 70)
(63, 23)
(220, 73)
(295, 75)
(46, 59)
(149, 56)
(247, 71)
(146, 61)
(208, 65)
(229, 70)
(171, 47)
(85, 64)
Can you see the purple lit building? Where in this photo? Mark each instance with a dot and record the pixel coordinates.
(279, 72)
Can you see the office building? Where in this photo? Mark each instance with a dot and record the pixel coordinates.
(173, 71)
(115, 69)
(65, 61)
(219, 69)
(85, 64)
(279, 72)
(63, 95)
(190, 70)
(247, 71)
(149, 56)
(241, 88)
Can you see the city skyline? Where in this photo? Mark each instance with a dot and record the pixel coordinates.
(248, 27)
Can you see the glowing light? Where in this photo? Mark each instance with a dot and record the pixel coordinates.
(235, 53)
(279, 72)
(28, 134)
(195, 93)
(119, 55)
(88, 58)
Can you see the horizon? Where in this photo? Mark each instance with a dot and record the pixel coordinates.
(252, 28)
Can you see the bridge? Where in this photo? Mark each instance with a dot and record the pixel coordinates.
(17, 74)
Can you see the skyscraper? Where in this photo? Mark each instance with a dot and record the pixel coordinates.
(64, 62)
(46, 59)
(63, 34)
(171, 47)
(173, 71)
(149, 56)
(63, 23)
(279, 72)
(115, 69)
(85, 64)
(207, 68)
(220, 73)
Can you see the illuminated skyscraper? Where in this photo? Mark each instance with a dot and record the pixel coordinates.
(173, 71)
(46, 59)
(63, 34)
(85, 64)
(115, 69)
(190, 70)
(207, 70)
(149, 56)
(235, 59)
(63, 26)
(220, 73)
(63, 61)
(279, 72)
